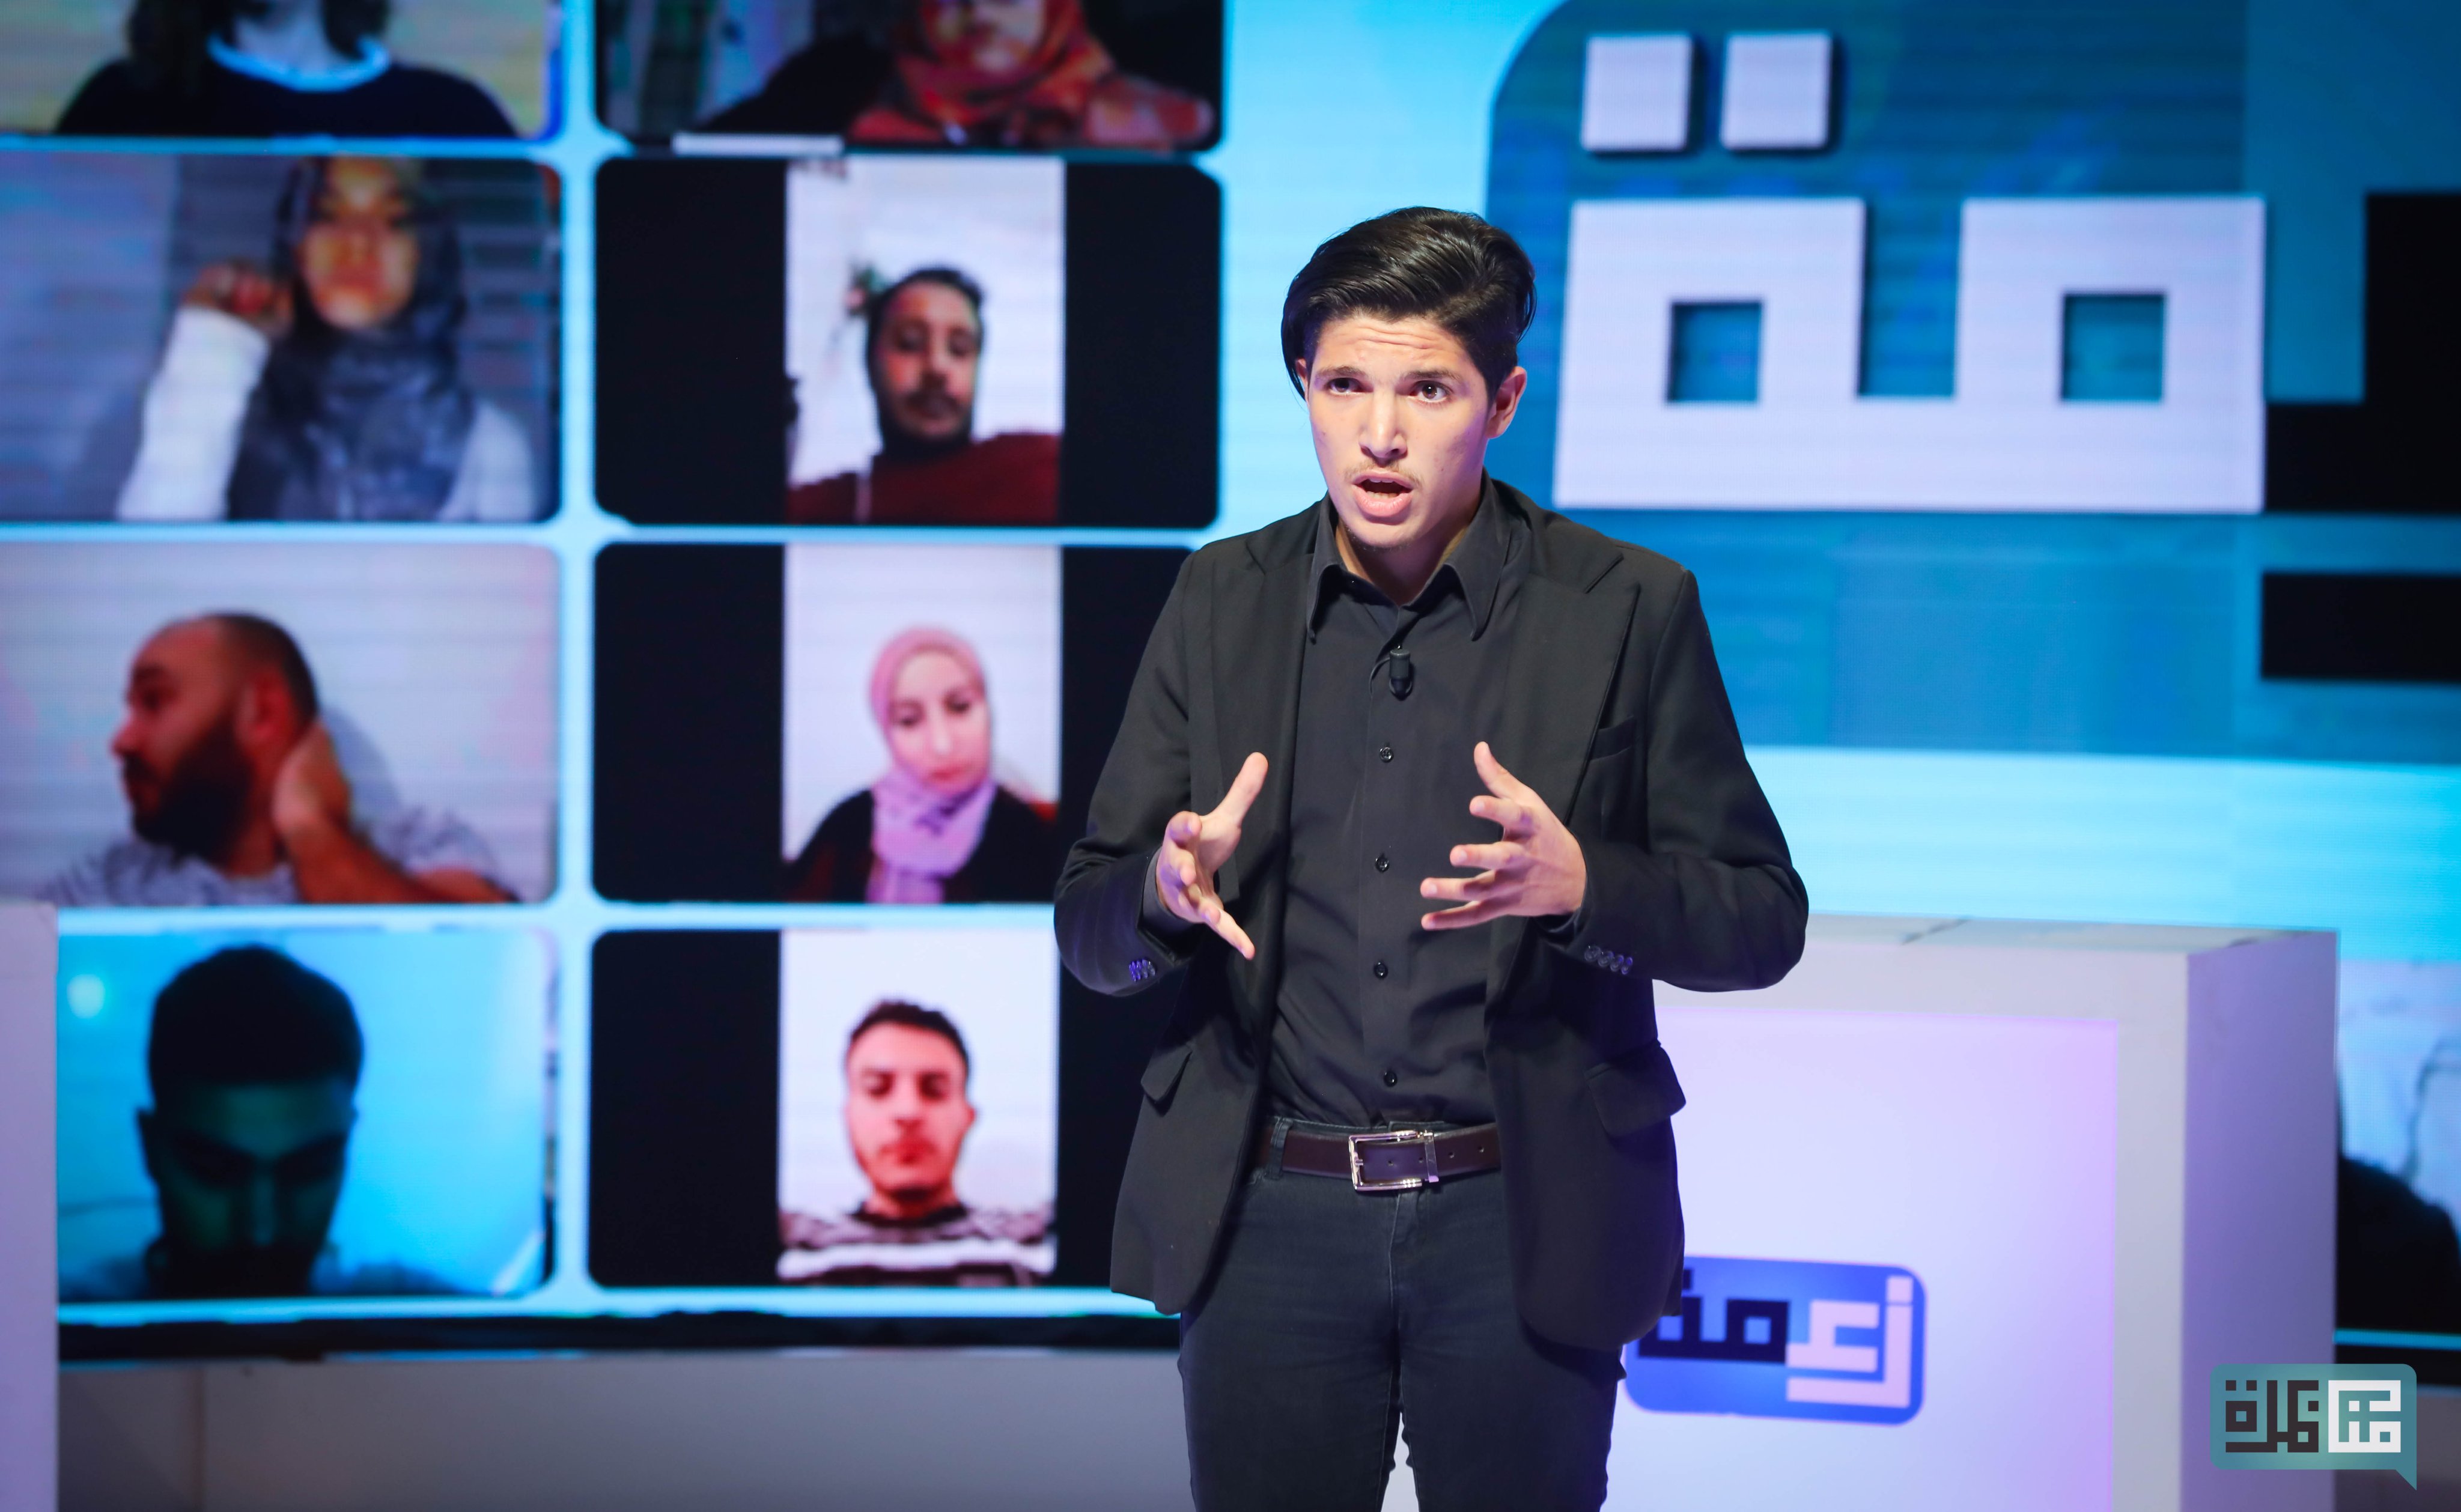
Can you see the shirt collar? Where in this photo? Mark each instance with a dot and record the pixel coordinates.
(1478, 561)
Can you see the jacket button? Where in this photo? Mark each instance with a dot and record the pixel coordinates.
(1392, 1080)
(1383, 753)
(1384, 863)
(1379, 970)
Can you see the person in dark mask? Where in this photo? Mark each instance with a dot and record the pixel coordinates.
(254, 1064)
(236, 794)
(329, 385)
(272, 68)
(923, 349)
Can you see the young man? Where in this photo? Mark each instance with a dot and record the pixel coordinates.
(254, 1062)
(1421, 788)
(909, 1109)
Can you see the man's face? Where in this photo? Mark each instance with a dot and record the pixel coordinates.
(907, 1115)
(180, 763)
(359, 257)
(997, 37)
(1401, 421)
(923, 365)
(246, 1179)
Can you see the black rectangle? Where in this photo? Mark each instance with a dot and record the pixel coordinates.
(691, 690)
(2354, 627)
(1143, 394)
(683, 1098)
(695, 403)
(693, 398)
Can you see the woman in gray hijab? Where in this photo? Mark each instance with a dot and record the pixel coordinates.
(329, 385)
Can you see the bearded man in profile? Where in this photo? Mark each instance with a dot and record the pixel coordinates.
(236, 797)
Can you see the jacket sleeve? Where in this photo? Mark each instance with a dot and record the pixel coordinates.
(1107, 936)
(1705, 897)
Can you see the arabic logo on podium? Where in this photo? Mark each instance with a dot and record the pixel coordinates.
(1786, 1338)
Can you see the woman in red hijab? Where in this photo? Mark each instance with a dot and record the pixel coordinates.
(1019, 74)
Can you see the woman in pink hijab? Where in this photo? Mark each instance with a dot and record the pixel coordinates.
(936, 826)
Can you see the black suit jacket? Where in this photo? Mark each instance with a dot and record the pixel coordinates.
(1615, 714)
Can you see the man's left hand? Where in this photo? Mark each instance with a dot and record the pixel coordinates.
(1534, 871)
(311, 798)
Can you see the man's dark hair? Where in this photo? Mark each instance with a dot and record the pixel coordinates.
(251, 1016)
(877, 306)
(1452, 268)
(912, 1015)
(262, 643)
(166, 39)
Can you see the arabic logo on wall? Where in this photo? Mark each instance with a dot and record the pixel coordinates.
(1886, 254)
(1786, 1338)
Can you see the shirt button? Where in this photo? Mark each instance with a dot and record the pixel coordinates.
(1383, 753)
(1391, 1080)
(1379, 970)
(1383, 862)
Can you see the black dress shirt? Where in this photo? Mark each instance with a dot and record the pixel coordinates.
(1378, 1018)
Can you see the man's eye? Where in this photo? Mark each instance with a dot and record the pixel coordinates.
(1431, 391)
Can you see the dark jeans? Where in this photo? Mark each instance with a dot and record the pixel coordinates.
(1335, 1313)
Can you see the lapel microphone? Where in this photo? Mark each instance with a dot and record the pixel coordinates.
(1398, 671)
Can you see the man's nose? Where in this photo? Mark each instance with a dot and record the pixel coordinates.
(1383, 440)
(260, 1217)
(123, 740)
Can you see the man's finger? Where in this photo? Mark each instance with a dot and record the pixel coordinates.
(1462, 917)
(1499, 781)
(1184, 828)
(1228, 929)
(1458, 889)
(1488, 858)
(1244, 789)
(1518, 820)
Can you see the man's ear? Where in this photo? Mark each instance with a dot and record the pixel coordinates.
(1299, 373)
(264, 714)
(1508, 402)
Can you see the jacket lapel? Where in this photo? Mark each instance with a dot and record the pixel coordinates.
(1256, 642)
(1567, 643)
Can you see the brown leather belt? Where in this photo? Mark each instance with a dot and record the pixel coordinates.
(1388, 1160)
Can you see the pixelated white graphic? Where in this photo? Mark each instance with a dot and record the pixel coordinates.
(1894, 1359)
(1777, 92)
(2005, 439)
(2364, 1416)
(1637, 94)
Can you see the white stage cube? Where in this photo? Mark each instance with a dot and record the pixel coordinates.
(2010, 1191)
(28, 1213)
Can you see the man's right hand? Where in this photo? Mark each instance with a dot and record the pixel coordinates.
(1193, 848)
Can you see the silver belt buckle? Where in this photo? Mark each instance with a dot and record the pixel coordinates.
(1360, 1182)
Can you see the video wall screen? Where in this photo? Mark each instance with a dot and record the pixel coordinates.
(214, 724)
(252, 1116)
(340, 68)
(1040, 75)
(270, 337)
(908, 340)
(883, 1102)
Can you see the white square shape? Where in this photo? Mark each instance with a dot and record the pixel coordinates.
(1637, 94)
(1776, 92)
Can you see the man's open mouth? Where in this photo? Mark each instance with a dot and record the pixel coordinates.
(1386, 487)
